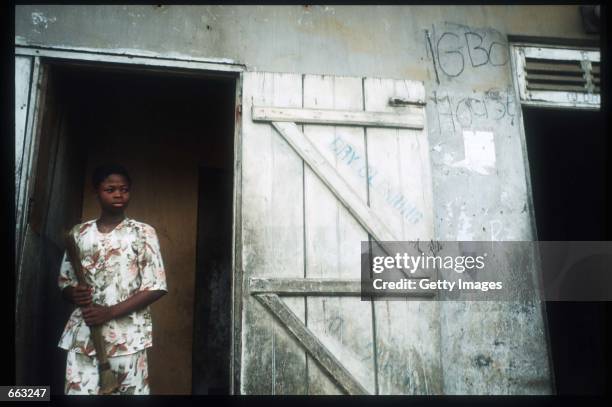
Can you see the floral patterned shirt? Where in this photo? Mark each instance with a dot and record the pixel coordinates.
(116, 265)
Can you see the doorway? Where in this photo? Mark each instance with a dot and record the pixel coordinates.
(567, 161)
(165, 127)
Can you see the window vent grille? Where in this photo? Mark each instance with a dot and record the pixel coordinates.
(558, 77)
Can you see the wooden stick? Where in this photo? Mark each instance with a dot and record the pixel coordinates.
(108, 381)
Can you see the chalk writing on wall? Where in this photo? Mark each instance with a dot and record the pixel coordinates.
(474, 106)
(377, 182)
(455, 50)
(463, 112)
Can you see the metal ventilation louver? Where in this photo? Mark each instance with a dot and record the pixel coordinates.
(558, 77)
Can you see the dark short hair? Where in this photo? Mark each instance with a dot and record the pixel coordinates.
(101, 172)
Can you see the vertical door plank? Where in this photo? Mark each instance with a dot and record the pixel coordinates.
(23, 72)
(26, 148)
(273, 245)
(27, 345)
(333, 235)
(407, 332)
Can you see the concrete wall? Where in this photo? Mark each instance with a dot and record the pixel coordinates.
(384, 41)
(461, 54)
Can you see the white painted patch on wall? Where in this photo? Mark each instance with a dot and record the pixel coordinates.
(448, 158)
(496, 227)
(40, 19)
(449, 210)
(449, 218)
(465, 225)
(135, 15)
(479, 149)
(209, 15)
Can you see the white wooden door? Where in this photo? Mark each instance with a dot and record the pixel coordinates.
(29, 84)
(29, 81)
(329, 162)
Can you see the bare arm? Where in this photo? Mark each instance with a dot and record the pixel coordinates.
(99, 314)
(138, 301)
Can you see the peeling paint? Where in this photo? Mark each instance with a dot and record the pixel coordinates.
(482, 361)
(40, 19)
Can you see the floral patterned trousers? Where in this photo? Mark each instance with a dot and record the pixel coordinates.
(131, 370)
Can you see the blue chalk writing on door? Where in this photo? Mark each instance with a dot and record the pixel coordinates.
(348, 155)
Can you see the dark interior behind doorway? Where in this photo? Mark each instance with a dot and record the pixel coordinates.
(211, 324)
(567, 161)
(163, 126)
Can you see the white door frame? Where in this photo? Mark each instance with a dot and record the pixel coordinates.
(137, 60)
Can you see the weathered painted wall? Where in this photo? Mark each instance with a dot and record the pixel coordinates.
(480, 184)
(384, 41)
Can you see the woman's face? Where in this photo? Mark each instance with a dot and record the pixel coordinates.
(114, 193)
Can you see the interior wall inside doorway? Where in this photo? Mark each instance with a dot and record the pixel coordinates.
(162, 128)
(212, 327)
(567, 161)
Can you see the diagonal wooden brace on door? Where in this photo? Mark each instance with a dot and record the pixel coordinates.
(314, 347)
(334, 181)
(267, 290)
(330, 177)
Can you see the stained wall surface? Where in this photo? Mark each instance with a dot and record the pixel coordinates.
(462, 56)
